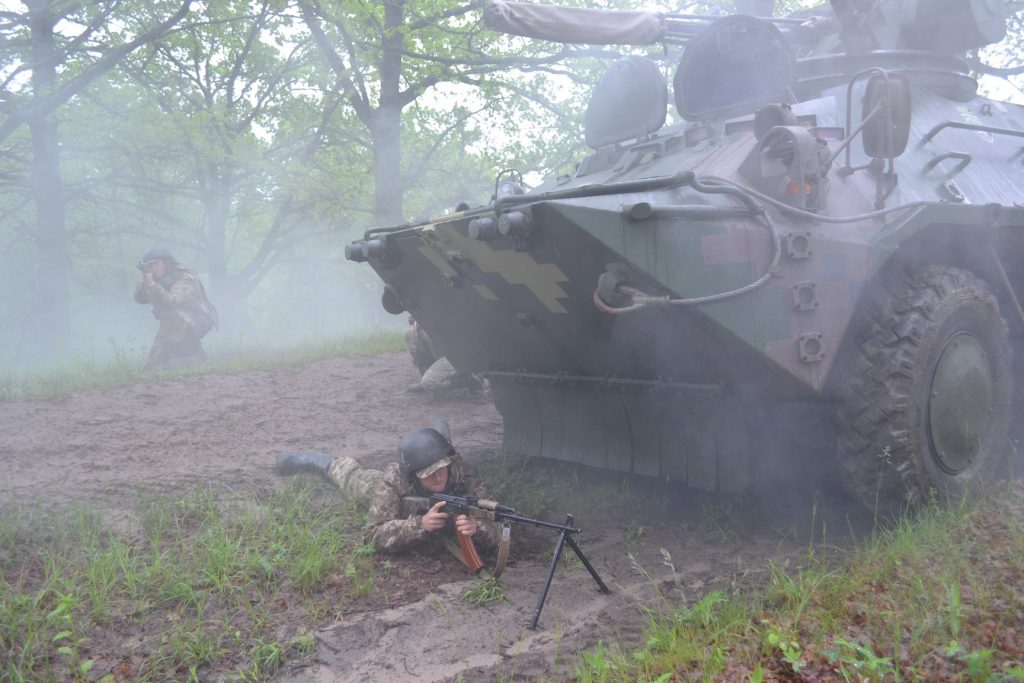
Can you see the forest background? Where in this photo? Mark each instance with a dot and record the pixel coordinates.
(255, 138)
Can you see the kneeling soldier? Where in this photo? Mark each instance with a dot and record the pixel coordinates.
(179, 303)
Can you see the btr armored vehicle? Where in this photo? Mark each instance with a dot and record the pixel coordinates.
(831, 241)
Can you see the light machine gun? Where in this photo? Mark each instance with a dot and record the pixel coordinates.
(481, 508)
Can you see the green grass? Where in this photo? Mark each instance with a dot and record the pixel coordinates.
(484, 593)
(205, 582)
(125, 365)
(937, 596)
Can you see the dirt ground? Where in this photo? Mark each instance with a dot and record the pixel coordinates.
(653, 548)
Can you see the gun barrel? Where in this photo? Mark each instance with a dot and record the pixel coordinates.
(498, 511)
(539, 523)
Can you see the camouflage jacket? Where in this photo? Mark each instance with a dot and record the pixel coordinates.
(181, 290)
(393, 522)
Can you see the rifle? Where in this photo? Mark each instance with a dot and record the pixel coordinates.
(482, 508)
(417, 505)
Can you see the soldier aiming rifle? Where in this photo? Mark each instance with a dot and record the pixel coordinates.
(427, 499)
(179, 303)
(399, 519)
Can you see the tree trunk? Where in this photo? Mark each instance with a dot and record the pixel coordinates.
(386, 130)
(217, 210)
(51, 237)
(216, 202)
(387, 167)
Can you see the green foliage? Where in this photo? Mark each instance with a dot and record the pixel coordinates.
(881, 610)
(266, 658)
(193, 560)
(788, 647)
(598, 666)
(858, 659)
(953, 608)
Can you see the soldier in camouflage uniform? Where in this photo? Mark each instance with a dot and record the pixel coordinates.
(399, 519)
(179, 303)
(437, 374)
(417, 343)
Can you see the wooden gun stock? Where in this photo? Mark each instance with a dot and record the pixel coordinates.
(469, 553)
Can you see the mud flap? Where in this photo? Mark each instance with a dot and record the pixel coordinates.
(691, 434)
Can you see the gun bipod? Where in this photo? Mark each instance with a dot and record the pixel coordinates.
(564, 537)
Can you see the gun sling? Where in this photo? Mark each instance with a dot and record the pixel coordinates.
(503, 550)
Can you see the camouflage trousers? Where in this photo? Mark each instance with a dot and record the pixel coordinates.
(355, 482)
(178, 339)
(440, 376)
(419, 349)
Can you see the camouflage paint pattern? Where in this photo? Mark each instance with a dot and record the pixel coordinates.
(678, 391)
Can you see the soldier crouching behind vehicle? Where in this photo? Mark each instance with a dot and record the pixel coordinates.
(398, 519)
(437, 375)
(179, 303)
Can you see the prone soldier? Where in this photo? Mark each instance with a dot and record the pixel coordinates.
(399, 520)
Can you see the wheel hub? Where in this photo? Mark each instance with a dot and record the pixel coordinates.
(960, 402)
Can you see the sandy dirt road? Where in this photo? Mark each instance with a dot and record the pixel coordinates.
(95, 446)
(653, 547)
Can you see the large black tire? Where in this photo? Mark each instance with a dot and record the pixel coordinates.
(926, 394)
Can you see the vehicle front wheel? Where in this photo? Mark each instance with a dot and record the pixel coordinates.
(925, 400)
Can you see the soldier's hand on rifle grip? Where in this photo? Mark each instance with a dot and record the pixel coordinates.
(433, 519)
(465, 525)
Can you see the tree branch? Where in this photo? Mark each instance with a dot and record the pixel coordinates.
(360, 104)
(43, 106)
(250, 38)
(978, 65)
(430, 20)
(441, 137)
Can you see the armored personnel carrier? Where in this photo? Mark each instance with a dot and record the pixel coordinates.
(833, 235)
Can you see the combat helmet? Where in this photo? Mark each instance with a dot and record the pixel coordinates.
(158, 253)
(422, 448)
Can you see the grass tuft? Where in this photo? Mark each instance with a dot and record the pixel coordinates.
(484, 593)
